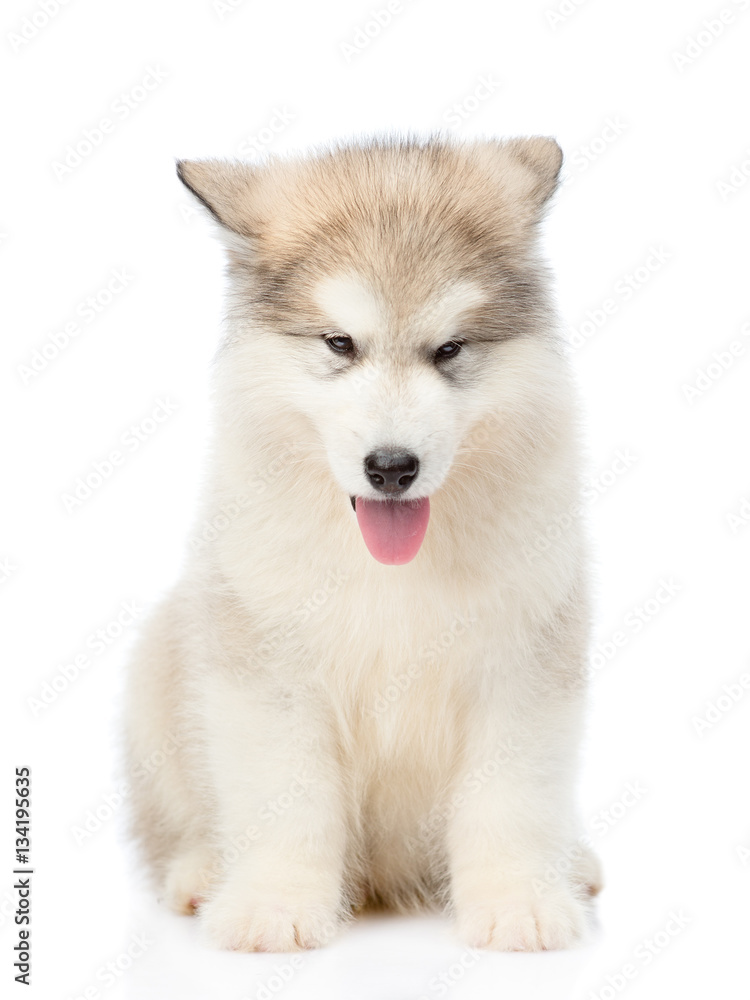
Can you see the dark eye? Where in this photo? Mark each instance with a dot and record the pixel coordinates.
(449, 350)
(340, 343)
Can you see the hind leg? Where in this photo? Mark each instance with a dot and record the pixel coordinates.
(587, 872)
(188, 878)
(168, 805)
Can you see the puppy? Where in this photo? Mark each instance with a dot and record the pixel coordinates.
(372, 673)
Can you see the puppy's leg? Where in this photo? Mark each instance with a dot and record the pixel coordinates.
(188, 877)
(514, 853)
(281, 816)
(169, 808)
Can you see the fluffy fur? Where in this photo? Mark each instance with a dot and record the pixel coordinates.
(341, 731)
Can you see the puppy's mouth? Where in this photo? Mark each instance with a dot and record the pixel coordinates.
(393, 530)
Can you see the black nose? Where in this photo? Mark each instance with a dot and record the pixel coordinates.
(391, 471)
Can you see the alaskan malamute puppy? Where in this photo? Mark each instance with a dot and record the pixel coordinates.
(369, 684)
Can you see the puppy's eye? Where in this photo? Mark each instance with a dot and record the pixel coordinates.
(449, 350)
(340, 343)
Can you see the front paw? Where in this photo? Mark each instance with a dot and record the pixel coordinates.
(520, 920)
(262, 921)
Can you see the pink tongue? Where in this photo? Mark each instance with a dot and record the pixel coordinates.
(393, 529)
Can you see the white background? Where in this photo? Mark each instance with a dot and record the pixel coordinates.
(652, 182)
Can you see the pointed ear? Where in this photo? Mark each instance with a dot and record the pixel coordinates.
(529, 170)
(226, 189)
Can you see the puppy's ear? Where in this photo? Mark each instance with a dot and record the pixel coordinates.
(528, 171)
(226, 189)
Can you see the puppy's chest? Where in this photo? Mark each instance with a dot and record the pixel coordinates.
(389, 671)
(399, 697)
(380, 628)
(391, 663)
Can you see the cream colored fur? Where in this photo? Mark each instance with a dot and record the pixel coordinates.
(349, 731)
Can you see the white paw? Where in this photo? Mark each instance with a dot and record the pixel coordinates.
(523, 921)
(588, 874)
(251, 921)
(188, 880)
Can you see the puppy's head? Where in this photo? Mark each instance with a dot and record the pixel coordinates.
(390, 293)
